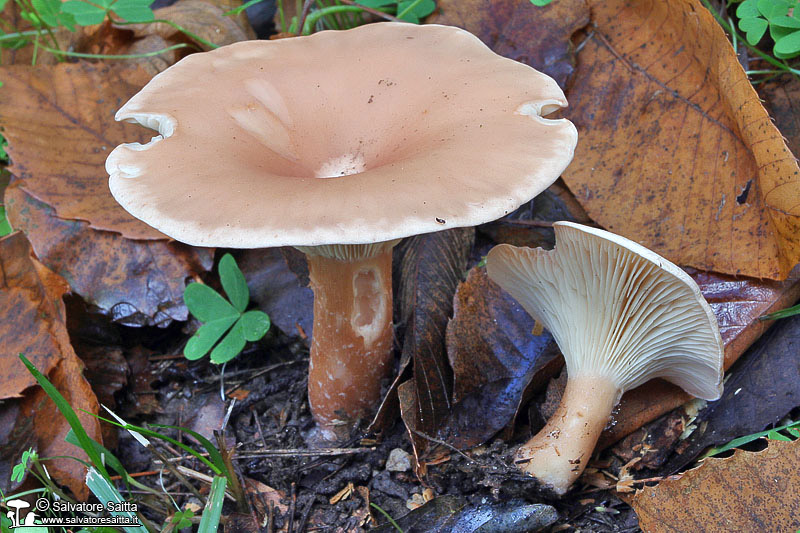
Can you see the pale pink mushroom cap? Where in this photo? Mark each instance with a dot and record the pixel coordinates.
(343, 137)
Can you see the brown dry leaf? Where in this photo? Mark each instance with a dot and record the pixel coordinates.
(263, 496)
(431, 267)
(204, 18)
(737, 304)
(153, 64)
(51, 428)
(495, 358)
(32, 296)
(37, 328)
(676, 151)
(59, 123)
(539, 37)
(749, 491)
(136, 282)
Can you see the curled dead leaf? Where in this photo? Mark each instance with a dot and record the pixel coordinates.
(32, 296)
(431, 267)
(38, 328)
(204, 18)
(495, 358)
(676, 151)
(153, 64)
(136, 282)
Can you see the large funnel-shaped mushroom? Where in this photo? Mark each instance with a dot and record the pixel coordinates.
(622, 315)
(340, 143)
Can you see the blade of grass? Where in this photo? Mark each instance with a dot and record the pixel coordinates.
(69, 414)
(106, 455)
(237, 10)
(112, 56)
(107, 493)
(314, 16)
(389, 518)
(213, 452)
(174, 442)
(735, 443)
(783, 313)
(211, 514)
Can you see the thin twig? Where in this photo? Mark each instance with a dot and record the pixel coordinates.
(136, 474)
(443, 443)
(205, 478)
(258, 425)
(185, 482)
(265, 371)
(292, 508)
(304, 517)
(233, 477)
(271, 517)
(304, 453)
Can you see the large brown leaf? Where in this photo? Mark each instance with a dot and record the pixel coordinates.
(136, 282)
(34, 323)
(30, 298)
(59, 122)
(676, 151)
(539, 37)
(430, 269)
(750, 491)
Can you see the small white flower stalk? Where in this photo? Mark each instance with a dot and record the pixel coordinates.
(621, 315)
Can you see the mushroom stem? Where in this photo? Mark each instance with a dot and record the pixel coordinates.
(351, 345)
(557, 455)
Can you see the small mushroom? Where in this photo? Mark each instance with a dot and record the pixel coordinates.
(622, 315)
(16, 505)
(340, 144)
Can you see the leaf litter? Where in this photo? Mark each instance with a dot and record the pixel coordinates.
(482, 321)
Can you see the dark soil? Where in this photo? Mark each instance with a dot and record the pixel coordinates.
(271, 414)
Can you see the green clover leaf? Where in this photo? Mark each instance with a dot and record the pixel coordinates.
(223, 319)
